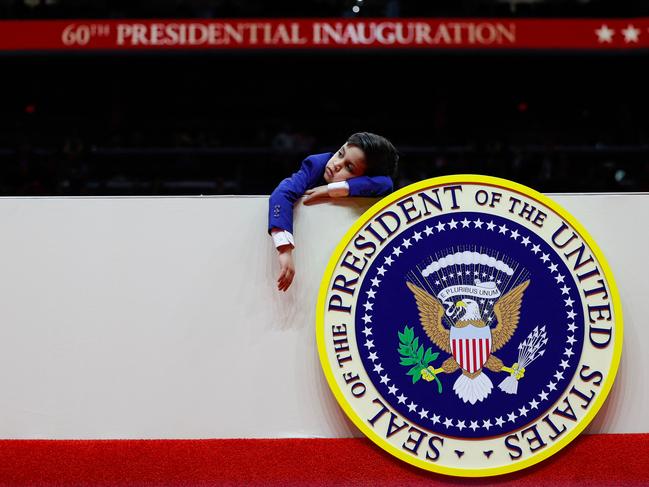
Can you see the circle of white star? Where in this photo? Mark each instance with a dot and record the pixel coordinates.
(486, 423)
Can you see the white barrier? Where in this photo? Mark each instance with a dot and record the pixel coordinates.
(159, 317)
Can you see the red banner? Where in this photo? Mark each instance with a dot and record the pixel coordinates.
(386, 33)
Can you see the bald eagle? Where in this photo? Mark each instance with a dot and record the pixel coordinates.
(470, 341)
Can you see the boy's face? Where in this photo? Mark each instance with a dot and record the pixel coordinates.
(348, 162)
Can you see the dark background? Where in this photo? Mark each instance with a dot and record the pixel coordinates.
(236, 123)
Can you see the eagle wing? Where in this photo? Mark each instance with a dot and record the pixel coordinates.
(431, 312)
(507, 310)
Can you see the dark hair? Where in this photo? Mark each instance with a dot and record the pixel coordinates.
(381, 156)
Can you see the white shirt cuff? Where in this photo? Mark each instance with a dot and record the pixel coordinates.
(338, 189)
(282, 237)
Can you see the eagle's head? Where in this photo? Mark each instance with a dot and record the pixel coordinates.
(471, 310)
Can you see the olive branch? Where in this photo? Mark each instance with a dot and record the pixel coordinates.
(412, 353)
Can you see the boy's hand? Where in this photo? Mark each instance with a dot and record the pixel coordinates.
(287, 269)
(315, 194)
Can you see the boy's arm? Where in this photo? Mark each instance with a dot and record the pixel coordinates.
(280, 204)
(280, 217)
(370, 186)
(358, 186)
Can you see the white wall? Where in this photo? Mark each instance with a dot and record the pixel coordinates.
(159, 317)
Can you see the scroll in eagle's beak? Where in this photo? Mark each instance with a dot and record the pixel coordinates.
(460, 304)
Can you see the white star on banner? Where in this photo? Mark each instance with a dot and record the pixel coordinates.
(369, 343)
(486, 423)
(571, 315)
(368, 306)
(367, 319)
(452, 224)
(631, 34)
(367, 331)
(406, 243)
(503, 228)
(423, 413)
(412, 406)
(514, 234)
(393, 390)
(534, 404)
(536, 249)
(499, 421)
(448, 422)
(378, 368)
(565, 289)
(545, 257)
(553, 267)
(571, 340)
(401, 398)
(569, 352)
(416, 236)
(460, 425)
(478, 223)
(523, 411)
(371, 293)
(490, 225)
(604, 34)
(569, 302)
(376, 282)
(440, 227)
(389, 260)
(474, 425)
(558, 375)
(435, 419)
(385, 379)
(526, 241)
(465, 223)
(397, 251)
(571, 327)
(372, 356)
(543, 395)
(381, 271)
(564, 364)
(552, 386)
(511, 417)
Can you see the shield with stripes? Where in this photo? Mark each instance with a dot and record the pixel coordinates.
(471, 346)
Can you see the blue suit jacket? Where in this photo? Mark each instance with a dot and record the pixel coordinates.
(310, 175)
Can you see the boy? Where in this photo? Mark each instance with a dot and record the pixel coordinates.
(363, 166)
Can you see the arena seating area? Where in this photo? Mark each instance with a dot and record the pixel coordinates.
(222, 124)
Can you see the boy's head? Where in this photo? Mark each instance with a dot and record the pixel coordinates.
(363, 154)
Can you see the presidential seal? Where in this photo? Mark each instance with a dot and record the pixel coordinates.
(469, 326)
